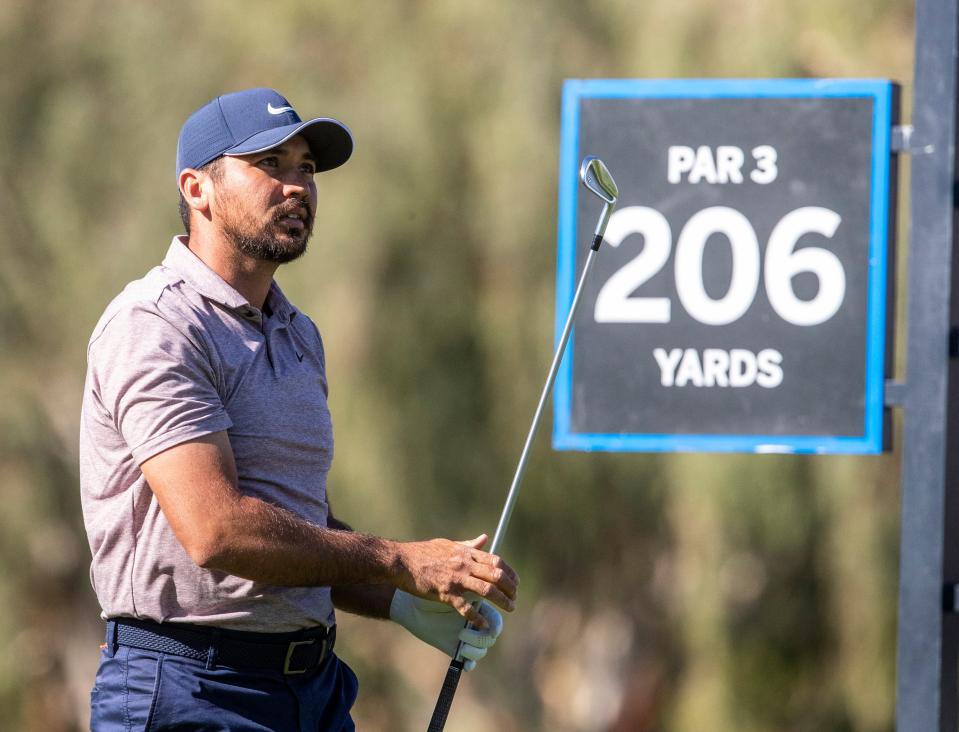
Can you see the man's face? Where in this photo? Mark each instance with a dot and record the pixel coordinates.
(265, 203)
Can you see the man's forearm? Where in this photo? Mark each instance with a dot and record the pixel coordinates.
(265, 543)
(371, 601)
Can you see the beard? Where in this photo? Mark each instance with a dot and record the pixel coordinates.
(268, 241)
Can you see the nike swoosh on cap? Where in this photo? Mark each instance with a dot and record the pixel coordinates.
(277, 110)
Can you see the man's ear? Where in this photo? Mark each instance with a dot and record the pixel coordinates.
(196, 189)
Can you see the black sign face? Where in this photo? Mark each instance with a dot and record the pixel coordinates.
(739, 300)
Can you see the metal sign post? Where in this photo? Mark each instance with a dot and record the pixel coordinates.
(928, 635)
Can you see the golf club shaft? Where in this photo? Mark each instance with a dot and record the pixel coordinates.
(445, 700)
(507, 513)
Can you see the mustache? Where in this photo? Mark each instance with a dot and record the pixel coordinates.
(294, 206)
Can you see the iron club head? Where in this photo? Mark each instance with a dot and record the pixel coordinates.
(596, 176)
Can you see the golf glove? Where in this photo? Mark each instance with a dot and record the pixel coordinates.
(442, 627)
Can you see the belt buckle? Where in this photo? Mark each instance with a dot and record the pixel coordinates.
(289, 655)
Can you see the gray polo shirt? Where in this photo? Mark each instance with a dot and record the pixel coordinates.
(177, 355)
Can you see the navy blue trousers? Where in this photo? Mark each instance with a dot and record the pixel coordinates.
(144, 690)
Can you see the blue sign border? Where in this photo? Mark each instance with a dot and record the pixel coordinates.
(881, 91)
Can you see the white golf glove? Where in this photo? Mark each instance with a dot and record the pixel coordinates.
(443, 628)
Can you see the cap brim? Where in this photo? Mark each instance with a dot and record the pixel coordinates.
(330, 141)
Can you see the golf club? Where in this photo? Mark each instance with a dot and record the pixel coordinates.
(596, 177)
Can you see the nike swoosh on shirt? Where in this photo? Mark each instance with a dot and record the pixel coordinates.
(277, 110)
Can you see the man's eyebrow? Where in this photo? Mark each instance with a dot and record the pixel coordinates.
(283, 150)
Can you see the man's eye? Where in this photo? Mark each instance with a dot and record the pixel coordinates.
(270, 161)
(309, 169)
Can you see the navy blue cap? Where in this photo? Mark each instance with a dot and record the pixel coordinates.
(254, 120)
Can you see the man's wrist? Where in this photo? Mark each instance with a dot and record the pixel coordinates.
(396, 562)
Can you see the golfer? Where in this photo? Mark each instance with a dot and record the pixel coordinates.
(205, 445)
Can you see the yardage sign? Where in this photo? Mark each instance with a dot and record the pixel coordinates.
(740, 303)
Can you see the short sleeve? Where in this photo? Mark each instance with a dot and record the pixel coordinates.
(154, 382)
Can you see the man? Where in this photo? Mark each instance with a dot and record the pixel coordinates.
(205, 445)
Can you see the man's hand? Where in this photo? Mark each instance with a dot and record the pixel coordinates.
(442, 627)
(456, 573)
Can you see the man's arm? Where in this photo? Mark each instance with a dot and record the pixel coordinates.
(221, 528)
(372, 601)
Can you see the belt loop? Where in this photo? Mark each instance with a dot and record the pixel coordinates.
(212, 649)
(113, 632)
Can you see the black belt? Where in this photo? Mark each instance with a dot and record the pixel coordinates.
(288, 653)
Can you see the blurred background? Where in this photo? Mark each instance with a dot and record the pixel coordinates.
(660, 592)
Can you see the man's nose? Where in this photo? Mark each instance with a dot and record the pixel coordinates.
(295, 184)
(298, 185)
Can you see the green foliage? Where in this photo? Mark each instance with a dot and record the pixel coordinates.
(659, 592)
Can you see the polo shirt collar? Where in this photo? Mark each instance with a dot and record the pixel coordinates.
(278, 303)
(200, 277)
(196, 273)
